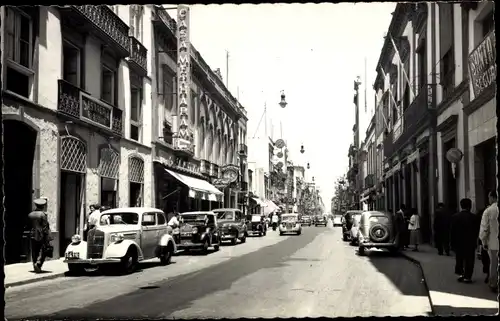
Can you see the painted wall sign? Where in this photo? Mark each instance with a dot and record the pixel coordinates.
(482, 64)
(184, 137)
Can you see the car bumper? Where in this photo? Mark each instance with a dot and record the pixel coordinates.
(92, 261)
(379, 245)
(294, 230)
(227, 237)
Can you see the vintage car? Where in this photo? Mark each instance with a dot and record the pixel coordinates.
(232, 225)
(377, 230)
(320, 220)
(306, 220)
(256, 224)
(122, 237)
(337, 220)
(290, 224)
(347, 222)
(198, 231)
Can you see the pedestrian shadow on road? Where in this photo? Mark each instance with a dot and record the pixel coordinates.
(405, 275)
(446, 310)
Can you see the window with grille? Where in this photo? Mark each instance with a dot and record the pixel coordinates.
(135, 113)
(19, 51)
(71, 63)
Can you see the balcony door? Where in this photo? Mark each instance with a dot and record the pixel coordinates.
(72, 64)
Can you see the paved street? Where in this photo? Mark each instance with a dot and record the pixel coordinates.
(314, 274)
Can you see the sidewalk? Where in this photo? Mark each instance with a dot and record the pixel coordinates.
(448, 296)
(22, 273)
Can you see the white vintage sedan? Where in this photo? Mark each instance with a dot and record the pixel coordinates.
(290, 224)
(122, 238)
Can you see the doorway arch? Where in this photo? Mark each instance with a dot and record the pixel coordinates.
(20, 141)
(72, 192)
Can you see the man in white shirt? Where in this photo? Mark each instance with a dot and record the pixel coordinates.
(93, 216)
(488, 234)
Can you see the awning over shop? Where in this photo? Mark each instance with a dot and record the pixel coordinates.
(198, 186)
(259, 202)
(270, 208)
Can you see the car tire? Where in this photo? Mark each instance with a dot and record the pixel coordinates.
(281, 233)
(129, 261)
(244, 238)
(344, 238)
(76, 269)
(385, 234)
(206, 245)
(166, 255)
(300, 232)
(234, 241)
(361, 250)
(216, 247)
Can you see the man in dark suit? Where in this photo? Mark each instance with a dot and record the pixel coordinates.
(40, 234)
(464, 234)
(442, 220)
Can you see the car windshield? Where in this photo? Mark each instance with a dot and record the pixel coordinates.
(192, 217)
(288, 218)
(226, 215)
(119, 218)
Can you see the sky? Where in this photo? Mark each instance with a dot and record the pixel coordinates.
(313, 52)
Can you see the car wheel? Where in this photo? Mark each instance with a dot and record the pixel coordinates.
(361, 250)
(244, 238)
(217, 246)
(206, 245)
(129, 261)
(76, 269)
(344, 238)
(281, 233)
(379, 233)
(166, 255)
(234, 240)
(299, 232)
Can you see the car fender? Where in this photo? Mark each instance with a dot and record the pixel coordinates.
(165, 239)
(119, 249)
(80, 247)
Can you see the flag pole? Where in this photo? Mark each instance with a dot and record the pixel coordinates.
(410, 85)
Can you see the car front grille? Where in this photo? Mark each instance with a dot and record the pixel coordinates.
(290, 225)
(95, 244)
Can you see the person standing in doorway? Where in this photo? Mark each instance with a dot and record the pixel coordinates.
(442, 221)
(464, 234)
(40, 234)
(489, 237)
(414, 228)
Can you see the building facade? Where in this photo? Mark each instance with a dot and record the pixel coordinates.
(100, 106)
(437, 117)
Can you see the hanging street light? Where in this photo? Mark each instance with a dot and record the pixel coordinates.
(283, 102)
(313, 179)
(302, 149)
(308, 166)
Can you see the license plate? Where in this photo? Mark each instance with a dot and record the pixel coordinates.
(185, 242)
(72, 255)
(186, 234)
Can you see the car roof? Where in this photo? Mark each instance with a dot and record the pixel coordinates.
(198, 213)
(226, 209)
(138, 210)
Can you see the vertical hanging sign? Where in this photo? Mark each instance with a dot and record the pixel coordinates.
(184, 137)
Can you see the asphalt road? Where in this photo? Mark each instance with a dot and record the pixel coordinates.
(311, 275)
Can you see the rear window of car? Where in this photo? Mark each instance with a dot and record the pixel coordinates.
(379, 219)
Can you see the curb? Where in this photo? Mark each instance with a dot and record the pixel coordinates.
(417, 262)
(34, 280)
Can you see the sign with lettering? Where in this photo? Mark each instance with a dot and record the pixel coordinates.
(482, 64)
(183, 137)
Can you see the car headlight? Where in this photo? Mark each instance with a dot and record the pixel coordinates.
(195, 230)
(117, 237)
(75, 239)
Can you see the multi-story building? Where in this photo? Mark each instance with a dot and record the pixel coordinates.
(369, 154)
(101, 105)
(437, 107)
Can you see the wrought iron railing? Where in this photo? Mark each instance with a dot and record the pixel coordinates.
(106, 20)
(79, 104)
(162, 15)
(138, 53)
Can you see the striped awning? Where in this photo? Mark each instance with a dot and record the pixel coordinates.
(198, 188)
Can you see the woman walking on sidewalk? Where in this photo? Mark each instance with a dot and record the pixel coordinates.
(414, 228)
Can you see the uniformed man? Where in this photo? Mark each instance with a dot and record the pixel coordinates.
(40, 234)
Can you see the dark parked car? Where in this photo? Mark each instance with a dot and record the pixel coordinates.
(256, 224)
(232, 225)
(347, 222)
(306, 220)
(377, 230)
(198, 230)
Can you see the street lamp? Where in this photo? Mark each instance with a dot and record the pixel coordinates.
(308, 166)
(302, 149)
(283, 102)
(313, 179)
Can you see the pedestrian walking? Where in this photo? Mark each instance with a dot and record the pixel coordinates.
(405, 233)
(40, 234)
(414, 228)
(485, 257)
(489, 237)
(464, 234)
(94, 216)
(173, 226)
(442, 221)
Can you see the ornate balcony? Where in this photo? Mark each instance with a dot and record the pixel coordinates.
(414, 117)
(163, 19)
(243, 150)
(78, 104)
(138, 57)
(102, 22)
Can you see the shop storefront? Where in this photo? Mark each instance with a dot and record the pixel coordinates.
(257, 206)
